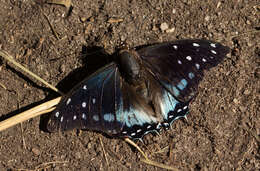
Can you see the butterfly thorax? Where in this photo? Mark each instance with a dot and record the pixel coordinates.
(134, 73)
(130, 67)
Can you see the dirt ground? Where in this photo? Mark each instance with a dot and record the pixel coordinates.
(223, 128)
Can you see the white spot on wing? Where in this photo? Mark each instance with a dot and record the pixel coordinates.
(61, 119)
(133, 134)
(84, 87)
(213, 45)
(96, 117)
(57, 114)
(179, 62)
(84, 116)
(175, 47)
(124, 132)
(84, 104)
(195, 44)
(109, 117)
(179, 110)
(197, 66)
(139, 130)
(204, 60)
(214, 52)
(149, 126)
(68, 101)
(185, 107)
(191, 75)
(74, 117)
(93, 100)
(188, 58)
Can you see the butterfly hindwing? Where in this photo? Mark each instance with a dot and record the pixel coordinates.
(93, 104)
(179, 65)
(145, 114)
(138, 117)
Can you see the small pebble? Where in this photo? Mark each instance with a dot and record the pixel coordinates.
(127, 164)
(164, 26)
(207, 18)
(62, 68)
(83, 19)
(242, 108)
(218, 5)
(36, 151)
(246, 92)
(170, 30)
(89, 146)
(258, 131)
(235, 101)
(154, 28)
(78, 155)
(47, 74)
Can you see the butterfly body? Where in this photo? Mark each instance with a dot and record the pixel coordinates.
(147, 89)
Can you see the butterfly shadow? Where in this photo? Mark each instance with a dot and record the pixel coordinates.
(31, 83)
(92, 59)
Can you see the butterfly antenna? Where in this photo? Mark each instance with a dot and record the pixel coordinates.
(146, 159)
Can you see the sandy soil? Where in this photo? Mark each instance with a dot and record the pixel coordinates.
(222, 129)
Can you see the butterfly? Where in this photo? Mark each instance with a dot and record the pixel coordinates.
(142, 91)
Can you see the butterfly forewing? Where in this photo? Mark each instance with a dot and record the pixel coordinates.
(93, 104)
(179, 65)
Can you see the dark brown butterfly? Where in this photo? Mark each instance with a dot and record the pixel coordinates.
(143, 91)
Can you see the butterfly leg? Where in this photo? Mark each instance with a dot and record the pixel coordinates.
(146, 159)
